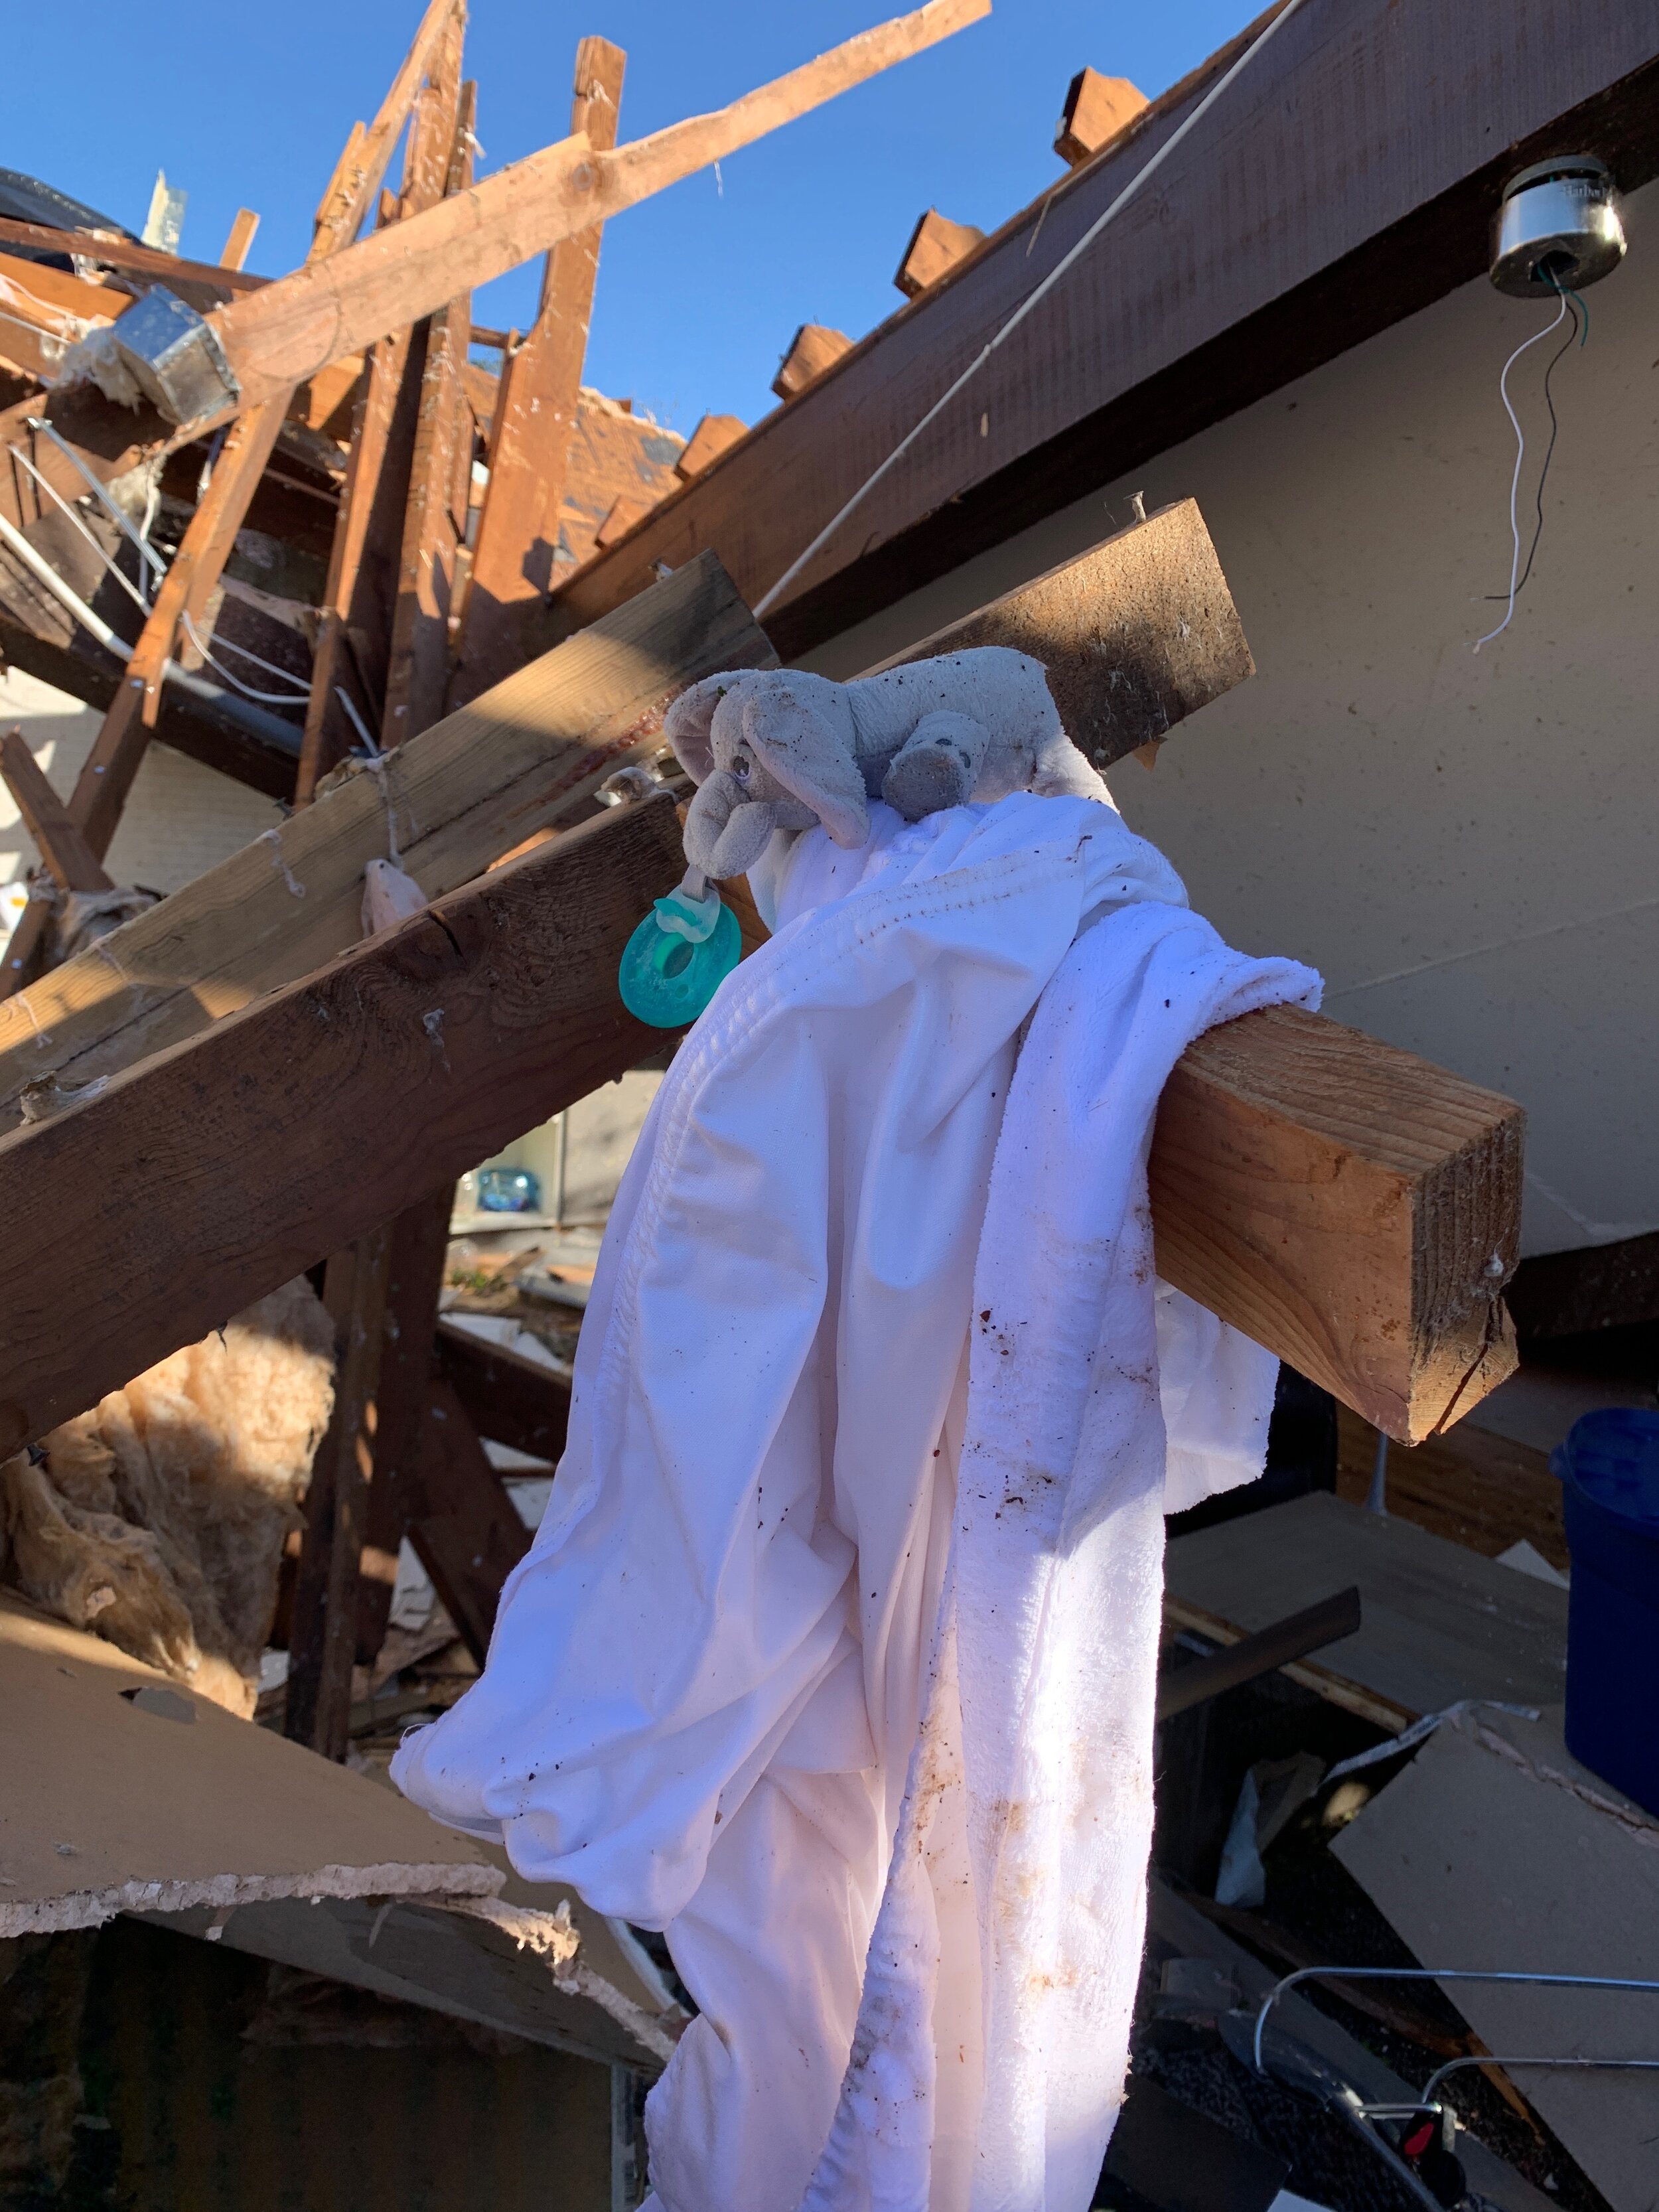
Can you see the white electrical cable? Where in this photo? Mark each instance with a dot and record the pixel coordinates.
(98, 489)
(43, 572)
(1025, 306)
(265, 698)
(1554, 324)
(53, 494)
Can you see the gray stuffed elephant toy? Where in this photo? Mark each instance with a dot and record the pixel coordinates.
(781, 749)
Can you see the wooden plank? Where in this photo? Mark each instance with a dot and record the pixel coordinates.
(417, 1244)
(203, 283)
(360, 600)
(1265, 248)
(1603, 1286)
(534, 418)
(1250, 1656)
(70, 860)
(1439, 1623)
(239, 243)
(471, 1537)
(1096, 109)
(434, 536)
(525, 757)
(322, 1637)
(811, 349)
(1352, 1207)
(712, 437)
(1135, 635)
(462, 1028)
(936, 246)
(508, 1397)
(48, 296)
(280, 335)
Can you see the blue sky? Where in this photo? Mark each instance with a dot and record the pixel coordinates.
(700, 289)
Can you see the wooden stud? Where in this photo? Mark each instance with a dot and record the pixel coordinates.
(470, 1537)
(620, 516)
(279, 337)
(526, 756)
(239, 243)
(417, 1244)
(69, 859)
(321, 1638)
(1096, 109)
(458, 1030)
(202, 283)
(711, 438)
(811, 350)
(508, 1397)
(534, 419)
(936, 246)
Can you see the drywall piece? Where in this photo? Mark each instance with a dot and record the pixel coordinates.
(115, 1801)
(1439, 1623)
(936, 246)
(1096, 108)
(1495, 1849)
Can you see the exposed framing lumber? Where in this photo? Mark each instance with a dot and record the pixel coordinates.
(936, 246)
(282, 335)
(239, 243)
(509, 1398)
(714, 435)
(535, 418)
(525, 757)
(469, 1536)
(1286, 251)
(322, 1634)
(69, 859)
(1352, 1207)
(1096, 108)
(189, 279)
(811, 350)
(469, 1023)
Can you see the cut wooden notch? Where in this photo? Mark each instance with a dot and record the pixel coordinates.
(240, 241)
(936, 246)
(1096, 108)
(711, 438)
(811, 350)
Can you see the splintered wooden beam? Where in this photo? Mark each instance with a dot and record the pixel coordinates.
(284, 333)
(1349, 1205)
(324, 1108)
(525, 758)
(1135, 635)
(534, 419)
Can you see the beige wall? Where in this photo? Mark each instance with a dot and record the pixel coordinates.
(180, 817)
(1465, 846)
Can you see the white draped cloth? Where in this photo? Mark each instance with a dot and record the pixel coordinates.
(834, 1654)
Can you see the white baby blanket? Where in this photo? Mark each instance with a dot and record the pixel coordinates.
(836, 1645)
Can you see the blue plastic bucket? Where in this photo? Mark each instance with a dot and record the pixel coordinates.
(1609, 1471)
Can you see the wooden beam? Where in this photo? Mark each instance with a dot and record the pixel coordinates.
(417, 1244)
(464, 1026)
(470, 1537)
(426, 617)
(534, 418)
(1350, 1206)
(322, 1635)
(509, 1398)
(811, 350)
(936, 246)
(526, 756)
(69, 859)
(1280, 252)
(240, 240)
(279, 336)
(619, 519)
(1096, 108)
(712, 437)
(203, 284)
(1134, 635)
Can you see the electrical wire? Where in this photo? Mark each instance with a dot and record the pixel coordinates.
(53, 494)
(1564, 348)
(296, 698)
(1554, 324)
(1066, 261)
(100, 490)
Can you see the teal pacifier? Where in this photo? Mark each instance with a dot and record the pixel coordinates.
(679, 956)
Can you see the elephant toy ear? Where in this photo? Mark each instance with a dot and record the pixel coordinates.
(690, 721)
(807, 752)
